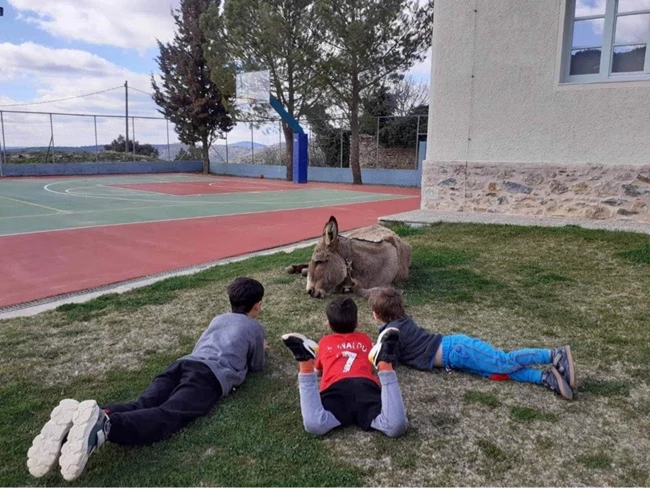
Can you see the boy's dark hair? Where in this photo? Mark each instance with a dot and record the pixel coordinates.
(244, 293)
(342, 315)
(388, 303)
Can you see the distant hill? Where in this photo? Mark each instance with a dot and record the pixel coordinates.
(247, 144)
(237, 151)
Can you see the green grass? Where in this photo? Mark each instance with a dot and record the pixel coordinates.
(605, 388)
(492, 451)
(527, 414)
(640, 255)
(165, 291)
(596, 461)
(486, 399)
(514, 287)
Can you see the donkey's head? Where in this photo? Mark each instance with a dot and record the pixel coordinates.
(328, 271)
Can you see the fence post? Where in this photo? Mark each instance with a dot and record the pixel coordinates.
(52, 137)
(169, 152)
(96, 143)
(133, 124)
(280, 144)
(3, 160)
(227, 159)
(417, 143)
(252, 144)
(377, 146)
(341, 134)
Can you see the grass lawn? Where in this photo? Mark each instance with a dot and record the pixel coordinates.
(513, 286)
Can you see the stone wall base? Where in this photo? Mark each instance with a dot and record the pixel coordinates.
(580, 191)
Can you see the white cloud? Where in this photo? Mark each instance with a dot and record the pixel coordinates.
(586, 8)
(123, 23)
(61, 73)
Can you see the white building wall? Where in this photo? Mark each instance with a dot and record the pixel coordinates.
(499, 114)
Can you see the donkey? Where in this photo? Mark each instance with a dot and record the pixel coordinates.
(367, 258)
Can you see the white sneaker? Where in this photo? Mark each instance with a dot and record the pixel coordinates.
(46, 447)
(89, 431)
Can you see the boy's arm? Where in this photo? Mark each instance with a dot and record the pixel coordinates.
(256, 362)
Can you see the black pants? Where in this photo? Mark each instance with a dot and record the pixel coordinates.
(185, 391)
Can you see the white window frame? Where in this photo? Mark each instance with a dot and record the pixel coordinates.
(607, 50)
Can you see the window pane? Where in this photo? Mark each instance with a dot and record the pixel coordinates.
(585, 62)
(632, 29)
(628, 59)
(588, 33)
(633, 5)
(585, 8)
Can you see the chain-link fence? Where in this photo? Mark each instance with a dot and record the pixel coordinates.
(43, 137)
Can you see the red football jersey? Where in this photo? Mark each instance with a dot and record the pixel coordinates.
(342, 356)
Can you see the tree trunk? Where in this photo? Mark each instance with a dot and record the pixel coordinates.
(288, 138)
(205, 150)
(354, 133)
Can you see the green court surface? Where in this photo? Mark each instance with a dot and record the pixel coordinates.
(46, 204)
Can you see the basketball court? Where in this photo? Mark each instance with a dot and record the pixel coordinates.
(67, 234)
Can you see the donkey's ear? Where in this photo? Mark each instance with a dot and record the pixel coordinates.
(331, 231)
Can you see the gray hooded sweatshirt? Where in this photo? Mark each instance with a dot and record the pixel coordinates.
(232, 344)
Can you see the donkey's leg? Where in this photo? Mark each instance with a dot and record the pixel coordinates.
(297, 268)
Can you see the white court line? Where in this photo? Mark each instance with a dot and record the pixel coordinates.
(171, 205)
(182, 218)
(85, 212)
(32, 204)
(277, 202)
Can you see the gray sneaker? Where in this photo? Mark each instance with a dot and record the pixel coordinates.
(563, 361)
(90, 428)
(553, 380)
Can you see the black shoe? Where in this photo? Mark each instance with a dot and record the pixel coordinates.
(386, 347)
(563, 362)
(553, 380)
(303, 349)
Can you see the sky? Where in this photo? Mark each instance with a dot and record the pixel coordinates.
(54, 49)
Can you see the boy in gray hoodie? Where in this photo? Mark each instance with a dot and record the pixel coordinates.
(232, 345)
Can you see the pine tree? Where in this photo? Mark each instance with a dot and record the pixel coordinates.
(187, 96)
(369, 42)
(279, 35)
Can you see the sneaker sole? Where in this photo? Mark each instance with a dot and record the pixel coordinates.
(565, 389)
(307, 343)
(572, 373)
(74, 453)
(375, 349)
(46, 447)
(385, 332)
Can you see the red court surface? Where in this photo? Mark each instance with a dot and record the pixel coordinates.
(243, 185)
(43, 265)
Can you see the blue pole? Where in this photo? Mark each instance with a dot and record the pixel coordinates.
(300, 159)
(300, 142)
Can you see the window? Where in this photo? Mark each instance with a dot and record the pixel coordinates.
(607, 40)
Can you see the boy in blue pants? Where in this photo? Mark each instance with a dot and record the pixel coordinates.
(422, 350)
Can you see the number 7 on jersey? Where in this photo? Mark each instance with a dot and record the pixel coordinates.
(351, 357)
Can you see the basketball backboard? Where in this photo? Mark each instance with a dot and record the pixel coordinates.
(253, 86)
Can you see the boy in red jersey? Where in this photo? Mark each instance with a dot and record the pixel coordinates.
(349, 391)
